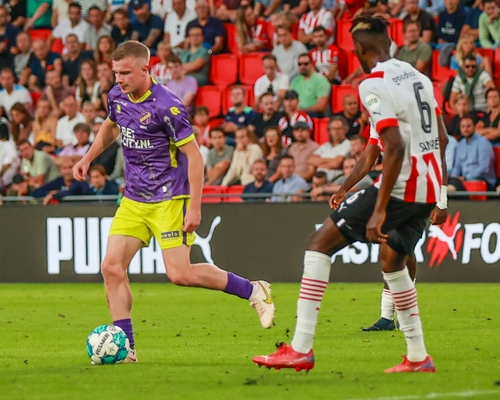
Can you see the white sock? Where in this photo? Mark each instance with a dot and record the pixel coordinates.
(405, 299)
(254, 290)
(314, 281)
(387, 309)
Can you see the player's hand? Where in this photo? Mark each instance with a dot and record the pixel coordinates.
(438, 216)
(336, 199)
(192, 220)
(374, 227)
(80, 170)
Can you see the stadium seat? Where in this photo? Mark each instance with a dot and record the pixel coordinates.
(344, 38)
(153, 61)
(232, 43)
(270, 31)
(216, 122)
(476, 186)
(352, 63)
(226, 97)
(496, 64)
(210, 96)
(35, 96)
(396, 31)
(40, 34)
(438, 93)
(213, 190)
(439, 73)
(321, 130)
(338, 94)
(251, 68)
(224, 69)
(57, 46)
(236, 189)
(496, 150)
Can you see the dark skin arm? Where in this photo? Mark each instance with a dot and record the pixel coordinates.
(362, 167)
(438, 216)
(393, 160)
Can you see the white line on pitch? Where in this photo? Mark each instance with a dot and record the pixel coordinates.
(469, 393)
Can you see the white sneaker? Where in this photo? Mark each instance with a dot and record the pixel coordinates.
(263, 303)
(132, 357)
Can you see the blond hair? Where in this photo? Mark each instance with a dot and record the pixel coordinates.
(460, 53)
(131, 48)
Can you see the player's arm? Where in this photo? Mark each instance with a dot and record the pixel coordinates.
(105, 137)
(439, 214)
(361, 169)
(394, 151)
(195, 178)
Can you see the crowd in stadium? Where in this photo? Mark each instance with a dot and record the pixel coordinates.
(270, 86)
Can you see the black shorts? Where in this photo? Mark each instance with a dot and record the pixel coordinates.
(404, 223)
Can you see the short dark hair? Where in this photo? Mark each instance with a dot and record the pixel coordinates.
(266, 94)
(359, 137)
(174, 60)
(72, 34)
(202, 110)
(319, 28)
(488, 1)
(98, 168)
(470, 57)
(305, 55)
(216, 129)
(411, 22)
(120, 11)
(94, 7)
(468, 116)
(492, 90)
(320, 175)
(131, 48)
(82, 127)
(7, 69)
(23, 141)
(341, 119)
(76, 5)
(196, 27)
(287, 157)
(269, 57)
(286, 26)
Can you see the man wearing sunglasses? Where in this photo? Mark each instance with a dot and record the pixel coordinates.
(472, 81)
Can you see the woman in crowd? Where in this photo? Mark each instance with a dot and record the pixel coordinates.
(106, 81)
(467, 46)
(105, 47)
(44, 127)
(273, 150)
(21, 124)
(88, 86)
(488, 125)
(250, 31)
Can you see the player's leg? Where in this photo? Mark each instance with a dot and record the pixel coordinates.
(121, 250)
(317, 264)
(181, 272)
(387, 308)
(404, 293)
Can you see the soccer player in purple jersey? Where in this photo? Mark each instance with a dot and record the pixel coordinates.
(164, 174)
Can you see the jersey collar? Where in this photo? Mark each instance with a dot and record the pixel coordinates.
(145, 95)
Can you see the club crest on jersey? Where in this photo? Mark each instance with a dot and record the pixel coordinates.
(175, 110)
(118, 108)
(372, 102)
(145, 117)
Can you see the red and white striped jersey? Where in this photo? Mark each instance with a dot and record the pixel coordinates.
(323, 18)
(396, 94)
(258, 32)
(323, 59)
(299, 116)
(161, 73)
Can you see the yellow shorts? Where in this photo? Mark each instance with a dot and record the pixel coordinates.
(164, 220)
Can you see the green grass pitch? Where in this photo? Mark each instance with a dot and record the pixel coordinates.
(198, 344)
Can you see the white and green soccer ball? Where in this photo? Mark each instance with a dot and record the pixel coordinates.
(108, 344)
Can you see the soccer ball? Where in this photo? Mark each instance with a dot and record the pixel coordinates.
(108, 344)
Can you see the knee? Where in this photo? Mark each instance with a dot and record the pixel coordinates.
(181, 279)
(112, 272)
(313, 243)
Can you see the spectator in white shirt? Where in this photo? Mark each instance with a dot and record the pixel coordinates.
(66, 124)
(176, 23)
(272, 81)
(74, 24)
(160, 71)
(330, 156)
(12, 93)
(9, 160)
(288, 51)
(97, 29)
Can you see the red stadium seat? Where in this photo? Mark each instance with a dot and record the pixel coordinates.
(153, 61)
(270, 32)
(496, 150)
(338, 94)
(210, 96)
(251, 68)
(440, 73)
(216, 122)
(236, 189)
(213, 190)
(343, 37)
(224, 69)
(476, 186)
(35, 96)
(226, 97)
(352, 63)
(40, 33)
(496, 64)
(232, 43)
(321, 130)
(57, 46)
(396, 31)
(438, 93)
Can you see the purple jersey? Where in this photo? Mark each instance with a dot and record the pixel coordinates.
(151, 130)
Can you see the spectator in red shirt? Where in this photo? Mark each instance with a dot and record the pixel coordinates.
(251, 32)
(325, 56)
